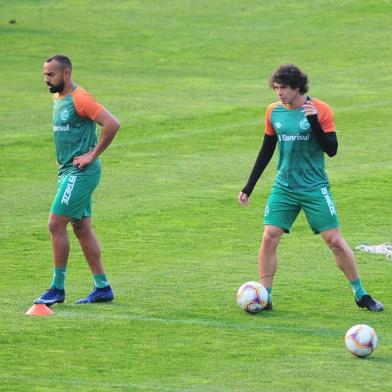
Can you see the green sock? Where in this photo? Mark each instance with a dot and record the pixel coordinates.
(59, 277)
(358, 290)
(100, 281)
(269, 291)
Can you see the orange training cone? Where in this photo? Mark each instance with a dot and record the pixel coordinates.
(39, 310)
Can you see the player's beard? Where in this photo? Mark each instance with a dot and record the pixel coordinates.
(56, 88)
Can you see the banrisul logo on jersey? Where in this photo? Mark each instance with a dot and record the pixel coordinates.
(61, 128)
(294, 138)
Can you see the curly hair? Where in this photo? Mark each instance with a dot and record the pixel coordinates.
(290, 75)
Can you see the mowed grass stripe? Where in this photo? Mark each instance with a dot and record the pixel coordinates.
(54, 383)
(206, 323)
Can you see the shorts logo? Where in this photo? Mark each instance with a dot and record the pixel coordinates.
(304, 124)
(266, 211)
(278, 125)
(327, 198)
(64, 115)
(68, 190)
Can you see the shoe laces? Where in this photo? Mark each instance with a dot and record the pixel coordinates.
(93, 293)
(49, 293)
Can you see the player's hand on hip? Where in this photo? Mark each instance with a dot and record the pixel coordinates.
(243, 199)
(309, 108)
(81, 161)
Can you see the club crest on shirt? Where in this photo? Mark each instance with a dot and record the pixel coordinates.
(64, 115)
(304, 124)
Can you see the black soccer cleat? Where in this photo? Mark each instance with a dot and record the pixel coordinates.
(370, 303)
(268, 307)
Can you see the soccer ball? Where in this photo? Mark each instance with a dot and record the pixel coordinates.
(361, 340)
(252, 297)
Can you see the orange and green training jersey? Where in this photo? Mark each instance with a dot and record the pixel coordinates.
(301, 159)
(75, 131)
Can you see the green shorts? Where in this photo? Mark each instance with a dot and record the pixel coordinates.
(73, 197)
(283, 207)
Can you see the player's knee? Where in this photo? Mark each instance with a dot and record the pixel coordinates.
(55, 227)
(78, 230)
(336, 243)
(270, 238)
(81, 229)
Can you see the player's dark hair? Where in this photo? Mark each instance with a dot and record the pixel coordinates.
(290, 75)
(63, 60)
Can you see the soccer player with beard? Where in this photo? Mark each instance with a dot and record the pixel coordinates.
(304, 129)
(75, 116)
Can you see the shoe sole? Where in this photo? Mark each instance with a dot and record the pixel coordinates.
(371, 309)
(94, 302)
(375, 310)
(49, 304)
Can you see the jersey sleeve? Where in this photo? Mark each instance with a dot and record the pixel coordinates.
(325, 116)
(85, 104)
(269, 129)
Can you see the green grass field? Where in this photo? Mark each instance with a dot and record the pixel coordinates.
(188, 82)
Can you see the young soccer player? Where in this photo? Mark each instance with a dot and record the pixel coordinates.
(304, 129)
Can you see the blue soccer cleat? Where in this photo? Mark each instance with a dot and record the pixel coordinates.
(51, 296)
(104, 294)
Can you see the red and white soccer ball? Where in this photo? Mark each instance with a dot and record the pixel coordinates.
(252, 297)
(361, 340)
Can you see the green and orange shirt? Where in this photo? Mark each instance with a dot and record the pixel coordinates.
(75, 131)
(301, 160)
